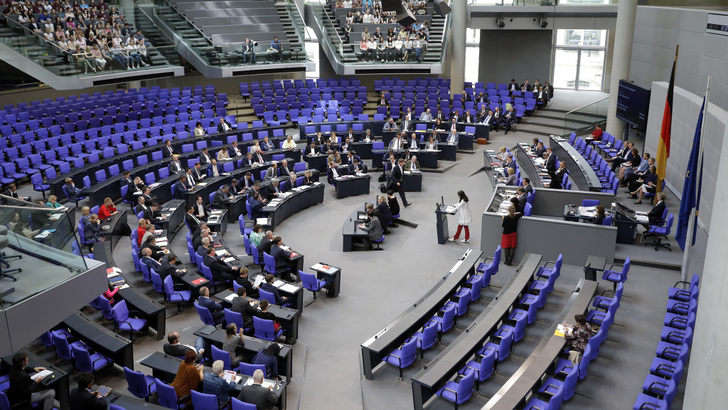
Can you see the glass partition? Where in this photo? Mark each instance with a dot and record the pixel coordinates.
(63, 59)
(40, 241)
(583, 118)
(546, 3)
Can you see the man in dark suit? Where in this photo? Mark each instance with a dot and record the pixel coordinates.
(224, 125)
(197, 173)
(256, 206)
(550, 161)
(311, 150)
(205, 157)
(175, 166)
(625, 155)
(234, 151)
(332, 173)
(268, 287)
(522, 199)
(539, 149)
(126, 180)
(168, 151)
(513, 86)
(373, 227)
(175, 348)
(215, 169)
(152, 213)
(248, 160)
(465, 96)
(266, 243)
(141, 206)
(243, 281)
(558, 176)
(285, 169)
(180, 187)
(83, 398)
(395, 181)
(191, 219)
(215, 308)
(266, 145)
(356, 167)
(222, 195)
(149, 261)
(282, 257)
(468, 117)
(290, 183)
(168, 268)
(219, 269)
(655, 214)
(385, 214)
(242, 305)
(256, 394)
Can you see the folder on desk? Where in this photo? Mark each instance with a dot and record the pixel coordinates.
(207, 330)
(42, 374)
(199, 281)
(262, 221)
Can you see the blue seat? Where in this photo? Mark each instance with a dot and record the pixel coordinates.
(63, 345)
(139, 384)
(270, 265)
(444, 322)
(103, 304)
(123, 321)
(205, 315)
(494, 264)
(616, 277)
(265, 329)
(483, 367)
(204, 401)
(222, 355)
(241, 405)
(175, 296)
(590, 202)
(84, 361)
(167, 396)
(403, 357)
(234, 317)
(460, 390)
(567, 385)
(545, 271)
(426, 338)
(553, 403)
(310, 282)
(248, 369)
(500, 345)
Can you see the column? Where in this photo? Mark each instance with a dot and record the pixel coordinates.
(707, 372)
(624, 33)
(458, 25)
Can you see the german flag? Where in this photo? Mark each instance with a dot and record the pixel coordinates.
(663, 148)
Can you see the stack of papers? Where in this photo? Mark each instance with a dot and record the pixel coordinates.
(229, 260)
(323, 268)
(42, 374)
(55, 217)
(230, 376)
(230, 297)
(278, 283)
(289, 288)
(162, 241)
(262, 221)
(258, 280)
(43, 235)
(220, 252)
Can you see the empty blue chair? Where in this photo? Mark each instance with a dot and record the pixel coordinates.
(167, 396)
(616, 277)
(204, 401)
(462, 304)
(590, 202)
(568, 385)
(404, 356)
(103, 304)
(140, 384)
(444, 322)
(222, 355)
(62, 343)
(494, 264)
(265, 329)
(175, 296)
(87, 362)
(248, 369)
(310, 282)
(553, 403)
(545, 271)
(460, 390)
(123, 321)
(157, 284)
(426, 338)
(502, 349)
(241, 405)
(234, 317)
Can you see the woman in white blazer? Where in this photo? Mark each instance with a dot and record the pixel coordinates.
(464, 219)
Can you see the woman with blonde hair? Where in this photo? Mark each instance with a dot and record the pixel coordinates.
(509, 240)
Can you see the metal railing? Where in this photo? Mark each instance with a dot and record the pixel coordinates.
(545, 3)
(585, 117)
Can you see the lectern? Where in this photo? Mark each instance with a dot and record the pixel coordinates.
(441, 221)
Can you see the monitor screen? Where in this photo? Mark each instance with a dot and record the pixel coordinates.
(633, 103)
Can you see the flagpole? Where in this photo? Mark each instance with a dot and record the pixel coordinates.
(694, 212)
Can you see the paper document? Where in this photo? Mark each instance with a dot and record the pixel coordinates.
(55, 217)
(258, 280)
(289, 288)
(220, 252)
(642, 218)
(230, 297)
(228, 260)
(41, 374)
(562, 330)
(449, 209)
(261, 221)
(278, 283)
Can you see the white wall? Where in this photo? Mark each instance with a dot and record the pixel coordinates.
(658, 30)
(684, 119)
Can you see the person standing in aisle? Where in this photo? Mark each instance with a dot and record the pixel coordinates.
(509, 241)
(464, 219)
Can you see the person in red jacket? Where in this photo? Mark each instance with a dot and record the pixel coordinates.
(107, 209)
(597, 134)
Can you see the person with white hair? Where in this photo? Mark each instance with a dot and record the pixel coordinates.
(258, 395)
(213, 383)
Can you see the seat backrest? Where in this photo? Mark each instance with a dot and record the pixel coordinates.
(82, 359)
(265, 295)
(241, 405)
(204, 401)
(234, 317)
(219, 354)
(205, 315)
(496, 259)
(166, 395)
(157, 284)
(63, 350)
(248, 369)
(264, 328)
(120, 311)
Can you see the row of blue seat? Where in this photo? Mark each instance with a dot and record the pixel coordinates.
(668, 366)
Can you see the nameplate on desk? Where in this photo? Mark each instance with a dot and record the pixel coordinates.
(199, 281)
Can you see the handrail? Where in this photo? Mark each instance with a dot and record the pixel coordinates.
(325, 13)
(586, 105)
(189, 21)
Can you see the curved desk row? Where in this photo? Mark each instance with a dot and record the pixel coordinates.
(458, 352)
(287, 317)
(90, 169)
(404, 326)
(296, 201)
(580, 171)
(534, 172)
(516, 390)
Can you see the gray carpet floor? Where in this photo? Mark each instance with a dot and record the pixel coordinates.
(378, 286)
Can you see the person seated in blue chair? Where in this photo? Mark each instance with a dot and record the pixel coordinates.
(374, 227)
(175, 348)
(356, 167)
(84, 397)
(268, 287)
(256, 207)
(282, 256)
(215, 308)
(577, 338)
(213, 383)
(290, 183)
(92, 230)
(69, 188)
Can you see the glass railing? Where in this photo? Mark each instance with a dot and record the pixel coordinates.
(583, 118)
(340, 45)
(546, 3)
(225, 54)
(69, 62)
(44, 239)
